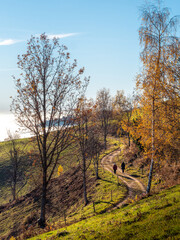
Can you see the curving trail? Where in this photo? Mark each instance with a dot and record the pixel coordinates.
(134, 186)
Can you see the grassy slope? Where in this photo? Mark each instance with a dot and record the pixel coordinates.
(27, 167)
(5, 166)
(155, 217)
(17, 216)
(111, 222)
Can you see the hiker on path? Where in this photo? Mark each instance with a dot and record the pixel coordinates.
(115, 168)
(123, 167)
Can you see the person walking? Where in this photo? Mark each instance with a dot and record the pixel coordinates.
(114, 168)
(123, 167)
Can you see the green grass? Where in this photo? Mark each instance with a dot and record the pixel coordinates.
(10, 218)
(26, 167)
(101, 196)
(106, 192)
(139, 220)
(6, 166)
(155, 217)
(29, 169)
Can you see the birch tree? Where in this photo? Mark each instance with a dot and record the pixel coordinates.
(155, 38)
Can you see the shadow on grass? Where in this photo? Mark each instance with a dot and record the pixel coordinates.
(123, 176)
(108, 202)
(4, 174)
(111, 205)
(106, 180)
(135, 175)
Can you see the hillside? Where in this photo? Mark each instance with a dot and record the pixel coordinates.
(29, 168)
(65, 199)
(154, 217)
(65, 205)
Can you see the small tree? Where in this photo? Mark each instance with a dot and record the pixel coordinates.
(47, 94)
(83, 113)
(124, 106)
(17, 177)
(104, 111)
(94, 148)
(126, 121)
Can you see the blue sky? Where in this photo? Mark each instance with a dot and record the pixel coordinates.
(102, 36)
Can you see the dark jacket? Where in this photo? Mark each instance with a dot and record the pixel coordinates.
(115, 167)
(123, 165)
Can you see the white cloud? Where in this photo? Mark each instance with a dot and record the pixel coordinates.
(9, 42)
(63, 35)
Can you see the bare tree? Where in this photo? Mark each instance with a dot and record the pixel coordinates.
(119, 100)
(124, 106)
(47, 94)
(104, 111)
(128, 108)
(94, 148)
(118, 104)
(17, 178)
(83, 113)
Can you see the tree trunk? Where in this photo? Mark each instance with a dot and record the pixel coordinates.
(84, 182)
(14, 181)
(15, 167)
(97, 170)
(105, 134)
(129, 140)
(14, 191)
(42, 220)
(150, 177)
(152, 158)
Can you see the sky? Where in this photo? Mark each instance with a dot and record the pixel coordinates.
(101, 34)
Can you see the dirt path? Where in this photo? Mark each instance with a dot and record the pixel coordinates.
(134, 186)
